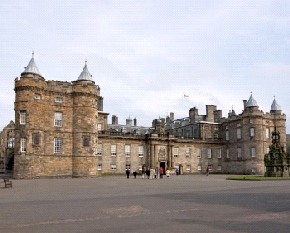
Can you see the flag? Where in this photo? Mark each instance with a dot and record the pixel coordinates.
(184, 95)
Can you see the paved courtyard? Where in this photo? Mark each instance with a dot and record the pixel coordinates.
(189, 203)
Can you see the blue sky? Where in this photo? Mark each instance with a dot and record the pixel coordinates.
(145, 55)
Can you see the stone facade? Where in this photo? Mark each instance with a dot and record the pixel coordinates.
(56, 127)
(61, 130)
(7, 138)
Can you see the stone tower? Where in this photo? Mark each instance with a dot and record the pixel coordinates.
(85, 96)
(55, 125)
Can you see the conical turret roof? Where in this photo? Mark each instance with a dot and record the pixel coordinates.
(85, 74)
(275, 106)
(251, 102)
(32, 67)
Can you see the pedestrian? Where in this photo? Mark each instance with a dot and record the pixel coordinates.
(148, 173)
(135, 174)
(177, 171)
(152, 173)
(207, 170)
(161, 172)
(168, 173)
(156, 172)
(128, 173)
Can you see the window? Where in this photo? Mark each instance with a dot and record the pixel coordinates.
(253, 152)
(252, 132)
(86, 140)
(199, 168)
(127, 150)
(267, 150)
(141, 151)
(219, 153)
(188, 168)
(227, 135)
(58, 119)
(100, 127)
(209, 153)
(175, 152)
(114, 150)
(58, 99)
(10, 143)
(239, 133)
(267, 133)
(99, 167)
(251, 121)
(22, 120)
(57, 145)
(188, 152)
(239, 150)
(219, 168)
(37, 96)
(36, 139)
(228, 153)
(113, 167)
(198, 152)
(23, 145)
(99, 149)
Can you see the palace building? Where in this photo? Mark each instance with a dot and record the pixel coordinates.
(61, 130)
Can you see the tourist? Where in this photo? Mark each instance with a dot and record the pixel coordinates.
(168, 173)
(128, 173)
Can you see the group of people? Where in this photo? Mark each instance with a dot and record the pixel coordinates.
(152, 173)
(157, 173)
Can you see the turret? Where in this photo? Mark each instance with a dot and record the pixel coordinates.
(85, 114)
(252, 103)
(275, 107)
(28, 112)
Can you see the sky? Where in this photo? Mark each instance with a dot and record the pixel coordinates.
(145, 55)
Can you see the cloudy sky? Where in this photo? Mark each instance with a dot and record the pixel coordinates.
(145, 55)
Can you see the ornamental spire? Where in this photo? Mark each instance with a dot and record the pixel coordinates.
(85, 74)
(275, 106)
(32, 67)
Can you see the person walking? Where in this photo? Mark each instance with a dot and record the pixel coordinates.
(177, 171)
(128, 173)
(207, 170)
(161, 172)
(168, 173)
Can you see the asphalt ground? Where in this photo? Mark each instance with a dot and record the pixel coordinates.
(185, 203)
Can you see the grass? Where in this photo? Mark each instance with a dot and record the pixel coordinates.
(255, 178)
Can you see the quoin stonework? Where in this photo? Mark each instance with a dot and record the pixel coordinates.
(61, 130)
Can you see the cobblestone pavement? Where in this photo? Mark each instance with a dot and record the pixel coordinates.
(187, 203)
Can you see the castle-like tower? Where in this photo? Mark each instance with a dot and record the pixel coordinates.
(55, 125)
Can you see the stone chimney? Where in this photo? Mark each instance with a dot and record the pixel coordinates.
(245, 104)
(193, 115)
(135, 121)
(129, 121)
(114, 120)
(171, 116)
(210, 112)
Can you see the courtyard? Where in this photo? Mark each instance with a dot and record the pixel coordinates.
(185, 203)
